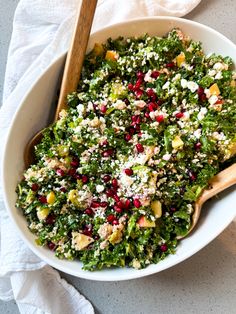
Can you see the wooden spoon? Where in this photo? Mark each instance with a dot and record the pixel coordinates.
(73, 67)
(217, 184)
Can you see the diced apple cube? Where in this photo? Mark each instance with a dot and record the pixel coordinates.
(42, 213)
(214, 90)
(180, 59)
(51, 197)
(156, 208)
(177, 143)
(111, 55)
(143, 222)
(80, 241)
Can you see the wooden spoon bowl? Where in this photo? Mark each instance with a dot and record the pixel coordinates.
(73, 67)
(217, 184)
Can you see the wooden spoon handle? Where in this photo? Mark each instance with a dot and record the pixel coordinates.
(220, 182)
(76, 52)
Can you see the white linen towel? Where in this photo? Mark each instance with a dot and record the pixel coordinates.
(41, 32)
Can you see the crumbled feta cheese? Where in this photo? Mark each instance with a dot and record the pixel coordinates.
(192, 86)
(202, 113)
(183, 83)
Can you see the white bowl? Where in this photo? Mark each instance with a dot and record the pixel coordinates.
(33, 114)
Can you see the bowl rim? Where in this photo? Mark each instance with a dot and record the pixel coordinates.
(97, 275)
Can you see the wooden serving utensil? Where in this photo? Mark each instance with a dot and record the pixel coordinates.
(217, 184)
(73, 67)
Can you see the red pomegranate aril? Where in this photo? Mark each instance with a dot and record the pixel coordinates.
(128, 171)
(116, 197)
(134, 118)
(138, 93)
(114, 183)
(115, 222)
(150, 92)
(155, 74)
(198, 146)
(63, 189)
(137, 203)
(88, 232)
(179, 115)
(107, 153)
(138, 84)
(106, 178)
(128, 137)
(50, 219)
(219, 102)
(103, 204)
(95, 204)
(60, 172)
(200, 91)
(163, 247)
(140, 75)
(147, 115)
(192, 176)
(104, 143)
(173, 209)
(103, 109)
(88, 211)
(140, 148)
(110, 218)
(74, 163)
(43, 199)
(170, 65)
(78, 176)
(120, 204)
(126, 101)
(110, 193)
(71, 172)
(34, 187)
(84, 178)
(160, 118)
(131, 130)
(130, 87)
(159, 102)
(51, 246)
(203, 97)
(118, 209)
(127, 204)
(152, 106)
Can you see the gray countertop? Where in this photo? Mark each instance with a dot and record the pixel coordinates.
(206, 282)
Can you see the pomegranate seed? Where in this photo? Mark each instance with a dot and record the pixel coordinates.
(200, 91)
(103, 109)
(131, 130)
(150, 92)
(159, 102)
(138, 84)
(197, 146)
(95, 204)
(107, 153)
(106, 178)
(71, 172)
(137, 128)
(78, 176)
(192, 176)
(118, 209)
(203, 97)
(43, 199)
(170, 65)
(34, 187)
(114, 183)
(88, 231)
(134, 118)
(127, 204)
(110, 193)
(219, 102)
(104, 143)
(50, 219)
(120, 204)
(51, 246)
(116, 197)
(130, 87)
(63, 189)
(74, 163)
(110, 218)
(139, 148)
(128, 137)
(147, 115)
(138, 93)
(115, 222)
(152, 106)
(84, 178)
(179, 115)
(140, 75)
(103, 204)
(126, 101)
(155, 74)
(88, 211)
(163, 247)
(128, 172)
(160, 118)
(136, 203)
(60, 172)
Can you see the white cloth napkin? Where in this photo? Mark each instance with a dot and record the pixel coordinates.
(41, 32)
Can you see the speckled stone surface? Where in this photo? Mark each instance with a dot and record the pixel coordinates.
(206, 282)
